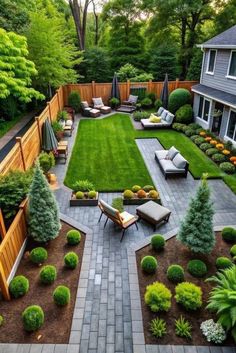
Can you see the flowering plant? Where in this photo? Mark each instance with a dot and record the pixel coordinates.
(213, 331)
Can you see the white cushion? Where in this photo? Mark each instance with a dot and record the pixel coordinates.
(163, 114)
(132, 99)
(172, 153)
(169, 118)
(160, 110)
(97, 102)
(179, 161)
(69, 123)
(161, 154)
(169, 166)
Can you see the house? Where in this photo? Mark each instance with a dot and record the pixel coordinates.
(215, 96)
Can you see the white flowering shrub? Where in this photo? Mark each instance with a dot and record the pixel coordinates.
(213, 331)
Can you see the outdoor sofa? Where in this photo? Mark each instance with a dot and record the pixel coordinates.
(166, 120)
(171, 162)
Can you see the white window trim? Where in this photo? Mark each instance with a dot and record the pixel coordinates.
(208, 62)
(226, 131)
(230, 58)
(203, 107)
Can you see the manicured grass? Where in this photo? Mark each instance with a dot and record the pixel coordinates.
(7, 125)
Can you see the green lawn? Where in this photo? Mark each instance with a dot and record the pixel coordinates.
(105, 152)
(7, 125)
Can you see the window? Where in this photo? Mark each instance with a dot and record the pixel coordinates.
(211, 61)
(232, 65)
(204, 108)
(231, 131)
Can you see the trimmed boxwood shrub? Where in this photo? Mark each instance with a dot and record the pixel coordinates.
(227, 167)
(223, 262)
(178, 126)
(205, 146)
(178, 98)
(92, 194)
(197, 268)
(188, 295)
(149, 264)
(153, 194)
(158, 297)
(73, 237)
(79, 195)
(229, 234)
(199, 140)
(128, 194)
(218, 158)
(211, 151)
(184, 115)
(19, 286)
(158, 242)
(48, 274)
(38, 255)
(194, 126)
(71, 260)
(33, 318)
(233, 251)
(61, 295)
(148, 188)
(141, 194)
(136, 188)
(185, 128)
(175, 273)
(137, 116)
(194, 137)
(190, 132)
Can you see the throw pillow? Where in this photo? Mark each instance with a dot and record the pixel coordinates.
(179, 161)
(97, 102)
(171, 153)
(169, 118)
(154, 119)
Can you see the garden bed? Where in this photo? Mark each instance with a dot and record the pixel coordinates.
(138, 201)
(57, 323)
(176, 253)
(83, 202)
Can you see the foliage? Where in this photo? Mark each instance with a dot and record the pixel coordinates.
(199, 140)
(14, 16)
(19, 286)
(62, 115)
(184, 114)
(1, 320)
(227, 167)
(38, 255)
(79, 195)
(33, 318)
(229, 234)
(61, 295)
(138, 115)
(158, 327)
(194, 70)
(205, 146)
(146, 102)
(74, 101)
(57, 127)
(183, 328)
(222, 298)
(83, 185)
(128, 194)
(163, 59)
(153, 194)
(179, 127)
(196, 230)
(126, 72)
(96, 65)
(48, 274)
(158, 297)
(92, 194)
(175, 273)
(178, 98)
(223, 262)
(233, 250)
(73, 237)
(71, 260)
(189, 132)
(152, 96)
(213, 331)
(148, 188)
(211, 151)
(114, 102)
(149, 264)
(188, 295)
(43, 213)
(141, 194)
(218, 158)
(157, 104)
(158, 242)
(117, 203)
(136, 188)
(46, 161)
(197, 268)
(14, 187)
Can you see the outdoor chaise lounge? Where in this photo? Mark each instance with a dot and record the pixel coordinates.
(98, 104)
(132, 100)
(166, 119)
(171, 162)
(123, 220)
(88, 111)
(153, 213)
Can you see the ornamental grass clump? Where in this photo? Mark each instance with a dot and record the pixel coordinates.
(158, 327)
(183, 328)
(158, 297)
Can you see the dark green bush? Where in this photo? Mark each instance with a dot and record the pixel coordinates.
(117, 203)
(83, 185)
(190, 132)
(178, 98)
(218, 157)
(158, 242)
(19, 286)
(229, 234)
(48, 274)
(46, 161)
(212, 151)
(148, 188)
(233, 250)
(175, 273)
(73, 237)
(185, 128)
(114, 102)
(61, 295)
(223, 262)
(194, 137)
(33, 318)
(74, 101)
(138, 115)
(194, 126)
(227, 167)
(149, 264)
(197, 268)
(184, 115)
(188, 295)
(71, 260)
(205, 146)
(38, 255)
(152, 96)
(158, 103)
(199, 140)
(146, 102)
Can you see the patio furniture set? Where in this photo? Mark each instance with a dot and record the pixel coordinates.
(163, 118)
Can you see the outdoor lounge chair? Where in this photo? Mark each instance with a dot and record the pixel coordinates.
(132, 100)
(98, 104)
(88, 111)
(123, 220)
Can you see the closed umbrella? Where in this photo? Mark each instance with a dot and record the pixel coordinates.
(165, 93)
(115, 91)
(49, 139)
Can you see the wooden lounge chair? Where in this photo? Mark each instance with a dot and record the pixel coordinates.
(123, 220)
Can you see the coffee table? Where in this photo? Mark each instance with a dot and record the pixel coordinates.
(153, 213)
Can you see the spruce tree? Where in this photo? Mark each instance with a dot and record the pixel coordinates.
(43, 213)
(196, 230)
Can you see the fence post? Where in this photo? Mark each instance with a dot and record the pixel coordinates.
(176, 83)
(49, 111)
(3, 231)
(150, 86)
(3, 284)
(19, 140)
(127, 88)
(38, 125)
(93, 89)
(58, 100)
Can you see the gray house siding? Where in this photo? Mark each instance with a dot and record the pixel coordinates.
(218, 80)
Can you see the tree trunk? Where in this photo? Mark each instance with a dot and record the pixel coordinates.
(96, 24)
(80, 24)
(183, 62)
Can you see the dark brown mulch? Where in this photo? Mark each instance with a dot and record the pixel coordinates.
(176, 253)
(57, 324)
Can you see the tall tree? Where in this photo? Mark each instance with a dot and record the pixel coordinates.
(96, 65)
(13, 16)
(226, 17)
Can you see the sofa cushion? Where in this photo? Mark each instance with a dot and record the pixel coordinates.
(160, 110)
(163, 114)
(84, 105)
(133, 99)
(161, 154)
(97, 102)
(169, 166)
(69, 122)
(169, 118)
(172, 153)
(179, 161)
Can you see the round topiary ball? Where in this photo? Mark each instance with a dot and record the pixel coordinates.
(48, 274)
(175, 273)
(233, 251)
(178, 98)
(128, 194)
(73, 237)
(149, 264)
(79, 195)
(61, 295)
(92, 194)
(184, 115)
(197, 268)
(148, 188)
(33, 318)
(153, 194)
(19, 286)
(223, 262)
(229, 234)
(141, 194)
(38, 255)
(158, 242)
(136, 188)
(71, 260)
(227, 167)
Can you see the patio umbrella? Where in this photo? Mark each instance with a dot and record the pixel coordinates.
(115, 91)
(49, 140)
(165, 93)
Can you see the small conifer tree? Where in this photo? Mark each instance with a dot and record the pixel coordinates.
(43, 213)
(196, 230)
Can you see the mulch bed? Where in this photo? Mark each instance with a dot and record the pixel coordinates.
(176, 253)
(57, 323)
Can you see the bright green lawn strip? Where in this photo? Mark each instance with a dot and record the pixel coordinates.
(7, 125)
